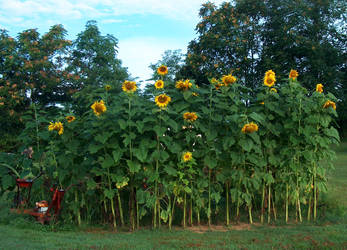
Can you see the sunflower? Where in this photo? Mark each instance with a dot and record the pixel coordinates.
(249, 128)
(187, 156)
(190, 116)
(319, 88)
(99, 107)
(293, 74)
(183, 85)
(162, 70)
(159, 84)
(57, 126)
(129, 87)
(273, 90)
(270, 78)
(328, 104)
(162, 100)
(228, 79)
(70, 118)
(108, 87)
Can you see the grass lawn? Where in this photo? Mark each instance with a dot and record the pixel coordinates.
(322, 235)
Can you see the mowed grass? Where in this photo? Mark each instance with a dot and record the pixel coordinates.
(257, 237)
(337, 179)
(321, 235)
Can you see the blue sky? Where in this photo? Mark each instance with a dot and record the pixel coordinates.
(144, 28)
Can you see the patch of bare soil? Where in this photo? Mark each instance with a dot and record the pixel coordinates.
(218, 228)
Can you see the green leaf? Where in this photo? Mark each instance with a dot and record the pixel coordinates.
(102, 138)
(109, 193)
(93, 148)
(246, 144)
(173, 125)
(117, 154)
(107, 162)
(134, 166)
(170, 170)
(91, 184)
(122, 124)
(210, 162)
(257, 117)
(187, 95)
(141, 153)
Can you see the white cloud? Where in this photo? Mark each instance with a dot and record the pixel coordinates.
(112, 21)
(93, 9)
(139, 52)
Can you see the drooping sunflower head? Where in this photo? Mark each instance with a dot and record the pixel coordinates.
(108, 87)
(329, 103)
(319, 88)
(57, 126)
(187, 156)
(293, 74)
(129, 86)
(162, 70)
(70, 118)
(273, 90)
(190, 116)
(269, 78)
(99, 107)
(162, 100)
(228, 79)
(249, 128)
(159, 84)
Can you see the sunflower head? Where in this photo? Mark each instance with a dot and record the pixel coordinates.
(190, 116)
(319, 88)
(249, 128)
(273, 90)
(70, 118)
(162, 70)
(129, 86)
(108, 87)
(159, 84)
(228, 79)
(269, 78)
(329, 103)
(187, 156)
(57, 126)
(293, 74)
(162, 100)
(99, 107)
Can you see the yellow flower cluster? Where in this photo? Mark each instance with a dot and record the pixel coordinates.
(162, 100)
(121, 185)
(162, 70)
(228, 79)
(99, 107)
(129, 86)
(249, 128)
(159, 84)
(293, 74)
(190, 116)
(319, 88)
(183, 85)
(270, 78)
(70, 118)
(57, 126)
(187, 156)
(328, 104)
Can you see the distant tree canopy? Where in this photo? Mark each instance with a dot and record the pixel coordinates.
(48, 70)
(248, 37)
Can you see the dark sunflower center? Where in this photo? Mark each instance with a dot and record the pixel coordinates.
(162, 99)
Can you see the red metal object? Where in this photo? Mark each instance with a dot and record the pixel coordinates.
(20, 199)
(43, 217)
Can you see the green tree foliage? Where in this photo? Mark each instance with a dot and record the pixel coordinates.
(94, 60)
